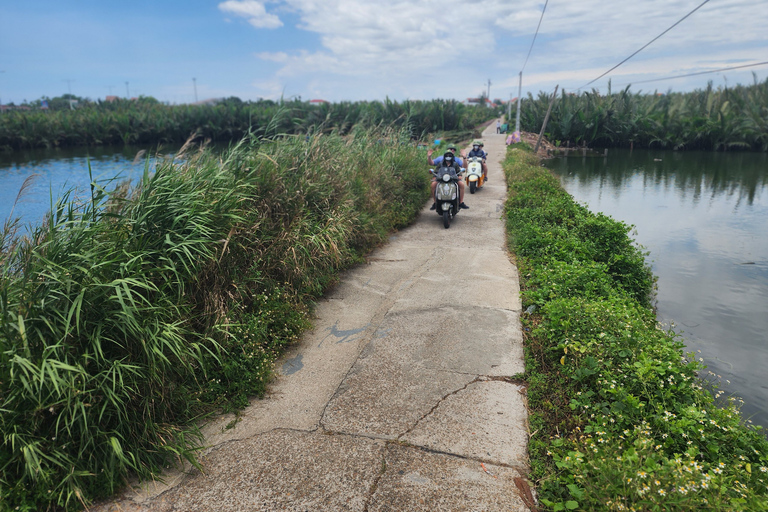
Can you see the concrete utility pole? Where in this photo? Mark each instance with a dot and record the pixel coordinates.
(127, 94)
(1, 100)
(546, 119)
(488, 93)
(194, 84)
(519, 101)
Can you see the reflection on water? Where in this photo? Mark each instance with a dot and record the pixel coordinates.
(63, 169)
(704, 219)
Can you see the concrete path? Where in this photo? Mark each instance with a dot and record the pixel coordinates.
(399, 399)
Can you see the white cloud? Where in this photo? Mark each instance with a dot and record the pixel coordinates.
(273, 56)
(449, 48)
(254, 11)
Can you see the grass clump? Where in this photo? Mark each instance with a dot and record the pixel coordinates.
(620, 419)
(127, 316)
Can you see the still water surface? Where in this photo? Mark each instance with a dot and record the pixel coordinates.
(704, 219)
(56, 171)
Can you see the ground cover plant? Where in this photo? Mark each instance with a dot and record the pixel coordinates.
(719, 119)
(620, 418)
(147, 121)
(127, 316)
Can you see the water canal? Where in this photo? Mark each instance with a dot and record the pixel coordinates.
(56, 171)
(704, 219)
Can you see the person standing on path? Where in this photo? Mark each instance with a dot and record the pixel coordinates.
(498, 126)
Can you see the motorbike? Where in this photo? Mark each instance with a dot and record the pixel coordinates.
(475, 178)
(446, 193)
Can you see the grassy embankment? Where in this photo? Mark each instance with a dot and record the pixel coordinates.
(128, 316)
(733, 118)
(146, 121)
(619, 418)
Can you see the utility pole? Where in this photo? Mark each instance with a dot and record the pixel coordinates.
(69, 88)
(1, 101)
(546, 119)
(127, 94)
(488, 93)
(519, 101)
(69, 85)
(194, 84)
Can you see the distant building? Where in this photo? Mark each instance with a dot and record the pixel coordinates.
(477, 101)
(6, 108)
(317, 102)
(112, 99)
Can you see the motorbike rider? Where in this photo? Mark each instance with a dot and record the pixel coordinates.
(477, 150)
(447, 160)
(436, 161)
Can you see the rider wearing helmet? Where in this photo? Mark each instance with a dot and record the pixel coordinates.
(450, 149)
(448, 159)
(477, 150)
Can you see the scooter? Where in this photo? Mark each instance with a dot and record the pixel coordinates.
(447, 193)
(475, 178)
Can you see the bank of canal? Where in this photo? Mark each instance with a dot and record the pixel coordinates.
(702, 217)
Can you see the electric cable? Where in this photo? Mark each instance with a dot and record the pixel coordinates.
(698, 73)
(647, 44)
(534, 35)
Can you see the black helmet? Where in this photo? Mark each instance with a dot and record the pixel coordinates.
(448, 157)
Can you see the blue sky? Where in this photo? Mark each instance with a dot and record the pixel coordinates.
(367, 50)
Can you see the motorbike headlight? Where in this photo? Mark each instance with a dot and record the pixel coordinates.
(446, 177)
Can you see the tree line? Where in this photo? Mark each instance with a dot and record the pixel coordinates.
(147, 121)
(719, 119)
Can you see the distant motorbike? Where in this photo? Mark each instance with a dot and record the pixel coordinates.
(446, 193)
(475, 178)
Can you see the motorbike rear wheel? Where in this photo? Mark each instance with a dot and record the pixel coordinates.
(446, 219)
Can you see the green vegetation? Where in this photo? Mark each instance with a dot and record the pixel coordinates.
(129, 316)
(146, 121)
(619, 419)
(709, 119)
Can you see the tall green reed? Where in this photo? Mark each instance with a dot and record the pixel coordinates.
(126, 316)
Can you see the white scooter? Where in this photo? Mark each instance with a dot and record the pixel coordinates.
(475, 178)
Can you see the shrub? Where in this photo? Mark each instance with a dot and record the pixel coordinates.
(620, 419)
(127, 316)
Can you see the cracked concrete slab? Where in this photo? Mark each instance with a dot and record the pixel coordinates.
(281, 470)
(470, 339)
(423, 355)
(419, 480)
(472, 421)
(384, 399)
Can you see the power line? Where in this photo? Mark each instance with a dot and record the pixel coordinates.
(647, 44)
(537, 33)
(699, 73)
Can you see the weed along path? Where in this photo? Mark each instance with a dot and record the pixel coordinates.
(399, 399)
